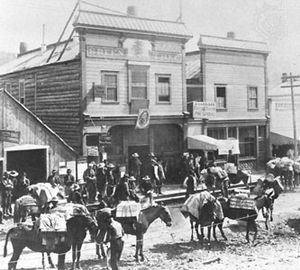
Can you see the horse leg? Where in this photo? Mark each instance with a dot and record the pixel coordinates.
(192, 229)
(61, 262)
(208, 233)
(248, 229)
(137, 248)
(50, 260)
(79, 245)
(214, 232)
(43, 261)
(197, 231)
(12, 265)
(255, 230)
(271, 211)
(141, 249)
(220, 226)
(98, 251)
(73, 255)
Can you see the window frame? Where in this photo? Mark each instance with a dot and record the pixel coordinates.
(249, 87)
(110, 73)
(22, 98)
(137, 67)
(217, 85)
(161, 75)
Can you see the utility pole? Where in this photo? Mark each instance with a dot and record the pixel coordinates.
(292, 78)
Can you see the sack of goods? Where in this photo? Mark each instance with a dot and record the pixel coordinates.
(128, 209)
(285, 163)
(242, 202)
(230, 168)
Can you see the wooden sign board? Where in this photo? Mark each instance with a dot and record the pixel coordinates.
(9, 136)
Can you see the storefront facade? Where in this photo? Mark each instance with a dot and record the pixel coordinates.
(232, 75)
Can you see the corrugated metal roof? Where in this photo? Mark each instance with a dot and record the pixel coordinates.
(131, 24)
(35, 58)
(232, 44)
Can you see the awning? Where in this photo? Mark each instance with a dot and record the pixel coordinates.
(202, 142)
(279, 139)
(206, 143)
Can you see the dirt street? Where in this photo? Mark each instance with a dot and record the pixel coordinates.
(170, 248)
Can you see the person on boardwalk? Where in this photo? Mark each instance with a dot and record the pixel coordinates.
(53, 179)
(89, 177)
(122, 190)
(6, 191)
(190, 183)
(21, 186)
(136, 164)
(111, 183)
(101, 181)
(69, 180)
(146, 188)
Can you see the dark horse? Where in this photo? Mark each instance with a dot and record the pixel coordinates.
(22, 237)
(206, 219)
(140, 227)
(248, 215)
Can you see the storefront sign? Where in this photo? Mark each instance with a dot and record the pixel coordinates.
(104, 139)
(204, 110)
(225, 145)
(165, 56)
(143, 119)
(9, 136)
(101, 51)
(92, 151)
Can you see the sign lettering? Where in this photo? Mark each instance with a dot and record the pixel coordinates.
(10, 136)
(203, 110)
(102, 51)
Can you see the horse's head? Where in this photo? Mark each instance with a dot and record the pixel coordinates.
(165, 215)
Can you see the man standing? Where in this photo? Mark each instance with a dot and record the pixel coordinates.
(155, 176)
(101, 181)
(136, 167)
(53, 179)
(6, 190)
(89, 177)
(69, 180)
(21, 185)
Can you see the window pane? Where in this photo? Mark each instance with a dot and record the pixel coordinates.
(139, 76)
(221, 97)
(111, 93)
(92, 140)
(163, 88)
(232, 132)
(110, 83)
(139, 82)
(252, 98)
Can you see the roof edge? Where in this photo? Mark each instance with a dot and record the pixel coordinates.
(39, 120)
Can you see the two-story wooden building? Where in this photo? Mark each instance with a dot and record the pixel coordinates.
(119, 89)
(231, 75)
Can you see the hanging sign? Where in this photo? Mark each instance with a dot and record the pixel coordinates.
(143, 119)
(9, 136)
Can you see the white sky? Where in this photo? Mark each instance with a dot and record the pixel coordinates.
(275, 21)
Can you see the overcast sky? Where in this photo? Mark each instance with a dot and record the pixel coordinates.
(276, 22)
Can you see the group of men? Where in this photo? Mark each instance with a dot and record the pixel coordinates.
(12, 185)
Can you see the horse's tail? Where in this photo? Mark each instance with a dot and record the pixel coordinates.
(6, 240)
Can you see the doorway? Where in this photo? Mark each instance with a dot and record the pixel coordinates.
(143, 151)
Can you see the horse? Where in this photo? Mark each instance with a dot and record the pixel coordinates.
(248, 215)
(140, 227)
(206, 219)
(27, 236)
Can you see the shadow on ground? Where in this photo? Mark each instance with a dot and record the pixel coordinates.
(294, 223)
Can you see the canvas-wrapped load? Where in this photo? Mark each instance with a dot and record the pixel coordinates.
(52, 222)
(273, 163)
(230, 168)
(128, 209)
(242, 202)
(285, 163)
(297, 166)
(44, 192)
(218, 171)
(27, 200)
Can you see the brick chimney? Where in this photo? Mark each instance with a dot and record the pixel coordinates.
(231, 35)
(131, 11)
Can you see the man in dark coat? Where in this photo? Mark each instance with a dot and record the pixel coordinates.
(69, 180)
(146, 188)
(89, 177)
(122, 190)
(101, 179)
(136, 166)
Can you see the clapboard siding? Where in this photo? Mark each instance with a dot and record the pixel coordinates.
(93, 73)
(53, 93)
(237, 78)
(14, 117)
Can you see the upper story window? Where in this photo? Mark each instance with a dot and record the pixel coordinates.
(221, 97)
(163, 88)
(110, 84)
(252, 98)
(22, 91)
(138, 82)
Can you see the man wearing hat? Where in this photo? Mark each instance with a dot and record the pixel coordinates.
(101, 181)
(136, 164)
(154, 175)
(69, 180)
(132, 189)
(190, 183)
(89, 176)
(53, 179)
(7, 188)
(21, 185)
(111, 182)
(146, 188)
(75, 194)
(122, 190)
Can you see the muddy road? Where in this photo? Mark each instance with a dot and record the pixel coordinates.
(170, 248)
